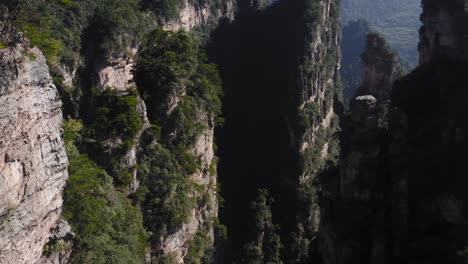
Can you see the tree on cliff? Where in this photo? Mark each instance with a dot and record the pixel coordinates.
(265, 244)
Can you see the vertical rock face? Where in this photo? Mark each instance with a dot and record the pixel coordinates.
(318, 102)
(34, 163)
(117, 75)
(357, 221)
(177, 243)
(398, 198)
(427, 149)
(381, 68)
(196, 14)
(318, 75)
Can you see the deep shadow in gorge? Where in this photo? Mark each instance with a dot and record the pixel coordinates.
(257, 55)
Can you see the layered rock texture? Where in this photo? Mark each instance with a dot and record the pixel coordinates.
(34, 163)
(381, 184)
(201, 216)
(201, 14)
(318, 108)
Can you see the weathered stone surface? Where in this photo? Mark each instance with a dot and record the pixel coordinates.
(193, 14)
(177, 243)
(33, 166)
(62, 237)
(117, 75)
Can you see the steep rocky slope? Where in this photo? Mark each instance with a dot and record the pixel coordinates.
(95, 82)
(319, 107)
(280, 87)
(427, 150)
(355, 201)
(383, 183)
(34, 163)
(397, 198)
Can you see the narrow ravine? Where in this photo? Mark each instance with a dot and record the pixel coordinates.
(256, 59)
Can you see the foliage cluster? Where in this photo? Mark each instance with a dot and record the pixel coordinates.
(164, 8)
(57, 26)
(109, 229)
(116, 117)
(166, 191)
(265, 245)
(200, 251)
(113, 130)
(183, 94)
(170, 65)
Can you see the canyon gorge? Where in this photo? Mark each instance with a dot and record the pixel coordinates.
(220, 131)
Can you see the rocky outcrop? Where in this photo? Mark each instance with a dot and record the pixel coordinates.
(59, 248)
(34, 162)
(318, 108)
(317, 75)
(201, 216)
(117, 75)
(356, 193)
(317, 87)
(196, 14)
(381, 68)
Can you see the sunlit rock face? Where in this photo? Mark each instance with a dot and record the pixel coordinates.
(34, 163)
(194, 15)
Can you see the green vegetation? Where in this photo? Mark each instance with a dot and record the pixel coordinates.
(116, 117)
(40, 36)
(118, 26)
(57, 26)
(56, 246)
(2, 45)
(167, 259)
(166, 187)
(266, 244)
(164, 8)
(109, 229)
(113, 130)
(171, 64)
(183, 94)
(200, 251)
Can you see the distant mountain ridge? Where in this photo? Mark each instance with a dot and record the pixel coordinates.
(397, 20)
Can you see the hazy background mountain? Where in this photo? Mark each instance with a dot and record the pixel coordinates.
(397, 20)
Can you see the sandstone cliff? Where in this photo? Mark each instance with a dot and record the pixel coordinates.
(34, 163)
